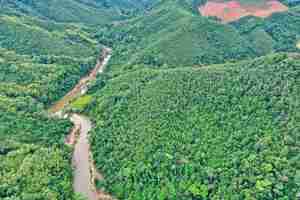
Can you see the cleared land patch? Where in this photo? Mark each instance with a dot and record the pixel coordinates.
(298, 45)
(229, 11)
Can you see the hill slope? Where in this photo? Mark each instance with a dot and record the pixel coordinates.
(280, 32)
(91, 12)
(228, 131)
(40, 61)
(172, 34)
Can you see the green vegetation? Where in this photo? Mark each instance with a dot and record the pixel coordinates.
(280, 32)
(221, 132)
(34, 163)
(75, 11)
(28, 35)
(88, 12)
(178, 115)
(81, 103)
(29, 172)
(44, 78)
(40, 61)
(170, 35)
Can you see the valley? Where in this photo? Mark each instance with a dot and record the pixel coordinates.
(149, 100)
(84, 170)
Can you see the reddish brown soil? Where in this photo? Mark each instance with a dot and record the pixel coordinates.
(82, 84)
(234, 10)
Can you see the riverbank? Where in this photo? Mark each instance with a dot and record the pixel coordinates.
(85, 172)
(82, 86)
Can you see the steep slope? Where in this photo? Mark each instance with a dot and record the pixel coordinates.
(92, 12)
(29, 36)
(44, 78)
(40, 60)
(61, 11)
(280, 32)
(219, 132)
(172, 34)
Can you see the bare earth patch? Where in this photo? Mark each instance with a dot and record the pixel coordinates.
(233, 10)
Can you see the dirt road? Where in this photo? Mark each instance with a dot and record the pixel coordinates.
(84, 170)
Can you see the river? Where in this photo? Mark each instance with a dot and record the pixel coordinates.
(83, 164)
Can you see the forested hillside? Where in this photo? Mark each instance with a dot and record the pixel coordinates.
(172, 33)
(185, 109)
(40, 61)
(93, 12)
(280, 32)
(219, 132)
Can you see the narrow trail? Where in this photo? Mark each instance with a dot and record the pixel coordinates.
(85, 172)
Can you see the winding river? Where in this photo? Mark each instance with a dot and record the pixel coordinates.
(81, 160)
(84, 170)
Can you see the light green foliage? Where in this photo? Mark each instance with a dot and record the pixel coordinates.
(171, 34)
(280, 32)
(31, 172)
(81, 103)
(45, 78)
(30, 36)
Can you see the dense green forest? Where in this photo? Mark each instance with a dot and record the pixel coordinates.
(173, 33)
(220, 132)
(34, 163)
(40, 61)
(92, 12)
(183, 111)
(280, 32)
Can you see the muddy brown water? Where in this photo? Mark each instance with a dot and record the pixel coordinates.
(81, 160)
(84, 171)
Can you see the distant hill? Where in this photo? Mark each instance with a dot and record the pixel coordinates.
(93, 12)
(172, 34)
(280, 32)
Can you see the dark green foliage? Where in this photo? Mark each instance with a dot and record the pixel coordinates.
(219, 132)
(290, 3)
(34, 163)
